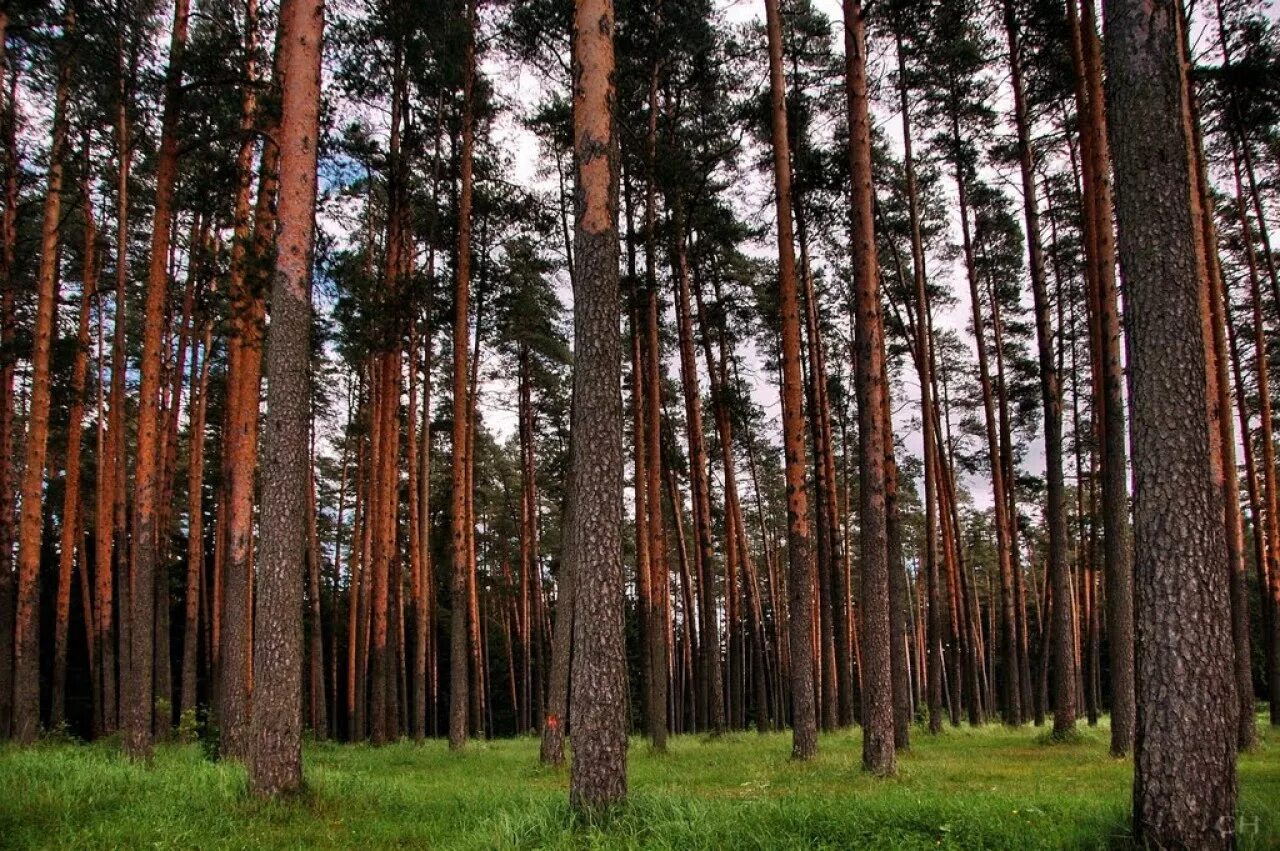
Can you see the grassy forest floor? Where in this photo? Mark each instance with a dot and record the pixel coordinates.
(968, 788)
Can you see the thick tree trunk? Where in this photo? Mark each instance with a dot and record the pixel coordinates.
(800, 579)
(598, 779)
(276, 766)
(1185, 780)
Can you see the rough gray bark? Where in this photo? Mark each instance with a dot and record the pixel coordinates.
(276, 764)
(598, 776)
(874, 630)
(1184, 767)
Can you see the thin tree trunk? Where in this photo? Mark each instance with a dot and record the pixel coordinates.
(195, 520)
(459, 699)
(26, 642)
(70, 539)
(1100, 251)
(8, 399)
(240, 442)
(800, 575)
(146, 532)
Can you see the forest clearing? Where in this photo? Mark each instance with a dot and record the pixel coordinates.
(987, 788)
(639, 423)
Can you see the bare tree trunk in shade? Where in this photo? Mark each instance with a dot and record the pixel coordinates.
(800, 579)
(557, 709)
(276, 765)
(598, 776)
(26, 641)
(459, 695)
(931, 625)
(659, 583)
(70, 546)
(137, 699)
(699, 486)
(317, 715)
(195, 518)
(1247, 730)
(1100, 253)
(8, 399)
(1184, 767)
(233, 596)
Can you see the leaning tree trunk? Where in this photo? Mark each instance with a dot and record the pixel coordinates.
(1184, 777)
(276, 766)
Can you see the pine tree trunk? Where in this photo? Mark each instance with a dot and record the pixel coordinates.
(459, 698)
(195, 521)
(240, 443)
(800, 579)
(276, 764)
(1268, 560)
(355, 571)
(924, 364)
(317, 711)
(1100, 253)
(872, 391)
(70, 540)
(26, 642)
(659, 579)
(138, 708)
(1010, 645)
(1185, 780)
(1226, 472)
(8, 400)
(699, 485)
(598, 777)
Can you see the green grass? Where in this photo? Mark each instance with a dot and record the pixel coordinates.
(968, 788)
